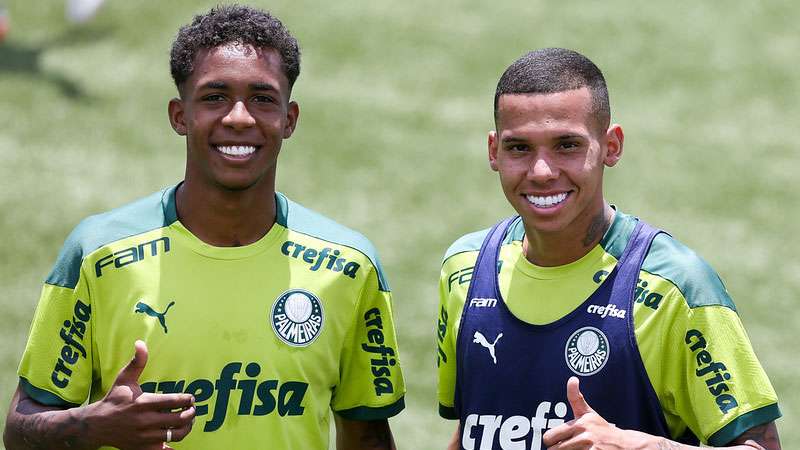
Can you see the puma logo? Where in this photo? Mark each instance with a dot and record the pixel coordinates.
(143, 307)
(481, 339)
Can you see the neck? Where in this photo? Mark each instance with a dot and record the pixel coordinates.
(226, 218)
(563, 247)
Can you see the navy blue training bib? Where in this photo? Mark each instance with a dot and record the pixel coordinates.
(512, 376)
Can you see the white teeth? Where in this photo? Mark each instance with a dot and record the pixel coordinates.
(236, 150)
(546, 201)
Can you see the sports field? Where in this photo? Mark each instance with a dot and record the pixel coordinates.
(396, 99)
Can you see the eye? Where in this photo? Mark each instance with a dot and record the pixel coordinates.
(517, 148)
(213, 98)
(263, 99)
(569, 145)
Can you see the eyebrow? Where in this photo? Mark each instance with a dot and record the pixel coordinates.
(514, 139)
(257, 86)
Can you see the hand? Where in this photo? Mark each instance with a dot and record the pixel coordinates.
(588, 430)
(128, 418)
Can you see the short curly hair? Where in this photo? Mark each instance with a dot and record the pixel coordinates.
(226, 24)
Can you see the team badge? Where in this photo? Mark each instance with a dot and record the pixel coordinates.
(297, 317)
(586, 351)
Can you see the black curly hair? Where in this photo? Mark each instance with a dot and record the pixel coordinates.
(226, 24)
(551, 70)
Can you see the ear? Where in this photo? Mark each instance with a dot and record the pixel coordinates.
(175, 109)
(292, 115)
(492, 144)
(614, 140)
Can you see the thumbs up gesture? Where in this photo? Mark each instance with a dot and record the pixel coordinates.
(588, 430)
(128, 418)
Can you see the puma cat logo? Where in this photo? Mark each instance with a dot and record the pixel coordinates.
(481, 339)
(143, 307)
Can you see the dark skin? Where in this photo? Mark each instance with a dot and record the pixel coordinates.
(235, 112)
(125, 418)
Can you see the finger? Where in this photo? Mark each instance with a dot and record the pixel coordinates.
(558, 434)
(577, 442)
(754, 444)
(576, 399)
(131, 372)
(178, 434)
(159, 435)
(160, 402)
(176, 419)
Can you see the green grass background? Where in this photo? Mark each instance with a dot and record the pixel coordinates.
(396, 101)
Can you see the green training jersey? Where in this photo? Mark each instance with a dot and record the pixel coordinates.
(693, 345)
(268, 337)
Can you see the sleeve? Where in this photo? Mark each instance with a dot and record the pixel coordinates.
(371, 385)
(722, 389)
(453, 284)
(56, 367)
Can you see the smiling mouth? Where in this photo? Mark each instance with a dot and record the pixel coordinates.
(236, 150)
(547, 201)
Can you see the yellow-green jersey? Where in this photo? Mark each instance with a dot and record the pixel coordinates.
(693, 345)
(267, 337)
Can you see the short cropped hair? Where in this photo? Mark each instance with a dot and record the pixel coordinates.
(552, 70)
(228, 24)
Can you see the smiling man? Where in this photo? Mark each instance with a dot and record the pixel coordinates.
(573, 289)
(260, 316)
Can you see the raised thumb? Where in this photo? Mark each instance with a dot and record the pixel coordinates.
(576, 399)
(131, 372)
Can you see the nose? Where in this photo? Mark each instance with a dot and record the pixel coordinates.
(542, 170)
(238, 117)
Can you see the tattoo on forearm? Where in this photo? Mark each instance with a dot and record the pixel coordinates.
(41, 430)
(766, 435)
(596, 229)
(666, 444)
(377, 435)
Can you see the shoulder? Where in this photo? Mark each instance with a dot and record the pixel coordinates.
(154, 211)
(698, 282)
(671, 260)
(471, 242)
(300, 219)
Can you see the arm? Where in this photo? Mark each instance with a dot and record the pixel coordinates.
(363, 435)
(453, 444)
(125, 418)
(589, 429)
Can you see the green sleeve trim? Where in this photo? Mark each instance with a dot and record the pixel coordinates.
(447, 412)
(368, 413)
(746, 421)
(668, 258)
(46, 398)
(472, 242)
(146, 214)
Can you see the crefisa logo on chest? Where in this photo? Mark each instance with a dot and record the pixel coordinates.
(586, 351)
(297, 317)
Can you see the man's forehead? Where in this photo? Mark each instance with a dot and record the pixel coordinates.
(545, 110)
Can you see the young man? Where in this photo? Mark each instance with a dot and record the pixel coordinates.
(574, 289)
(259, 316)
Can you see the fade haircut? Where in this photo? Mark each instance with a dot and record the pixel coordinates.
(552, 70)
(237, 24)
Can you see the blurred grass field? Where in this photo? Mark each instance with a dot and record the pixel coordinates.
(396, 99)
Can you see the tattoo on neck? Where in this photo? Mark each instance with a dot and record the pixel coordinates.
(597, 227)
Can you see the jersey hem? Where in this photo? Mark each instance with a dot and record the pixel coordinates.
(44, 397)
(447, 412)
(370, 413)
(743, 423)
